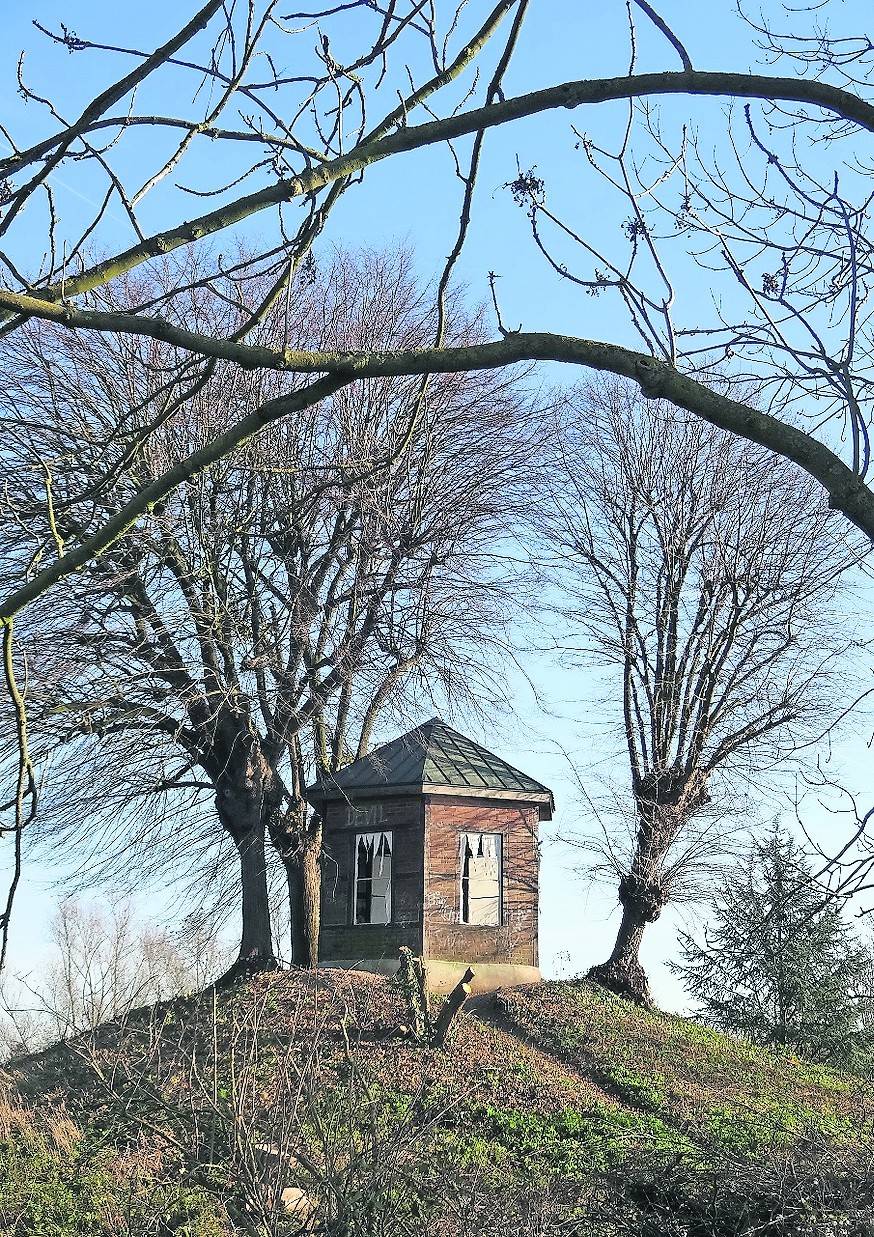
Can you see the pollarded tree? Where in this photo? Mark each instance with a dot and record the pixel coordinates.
(778, 961)
(260, 620)
(701, 570)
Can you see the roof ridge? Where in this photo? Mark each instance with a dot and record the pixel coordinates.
(388, 743)
(452, 761)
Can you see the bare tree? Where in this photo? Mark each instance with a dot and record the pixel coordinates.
(102, 965)
(321, 151)
(263, 617)
(208, 111)
(703, 570)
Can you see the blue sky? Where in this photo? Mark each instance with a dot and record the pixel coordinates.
(413, 200)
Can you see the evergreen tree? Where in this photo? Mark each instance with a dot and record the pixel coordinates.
(779, 963)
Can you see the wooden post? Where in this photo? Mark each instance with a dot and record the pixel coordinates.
(412, 977)
(425, 1003)
(453, 1004)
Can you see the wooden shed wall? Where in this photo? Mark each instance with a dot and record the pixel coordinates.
(515, 939)
(339, 937)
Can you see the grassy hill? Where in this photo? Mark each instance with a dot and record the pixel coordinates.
(290, 1104)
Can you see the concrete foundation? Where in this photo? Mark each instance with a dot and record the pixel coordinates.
(441, 977)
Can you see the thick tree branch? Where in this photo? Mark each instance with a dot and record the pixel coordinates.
(570, 95)
(847, 493)
(146, 499)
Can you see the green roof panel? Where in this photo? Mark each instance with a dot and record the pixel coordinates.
(432, 755)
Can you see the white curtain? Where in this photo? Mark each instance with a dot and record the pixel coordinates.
(481, 878)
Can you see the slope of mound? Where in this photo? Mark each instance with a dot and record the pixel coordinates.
(556, 1097)
(699, 1080)
(558, 1052)
(319, 1022)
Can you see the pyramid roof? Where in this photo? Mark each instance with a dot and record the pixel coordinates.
(433, 758)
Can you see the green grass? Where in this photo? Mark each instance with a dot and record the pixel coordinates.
(570, 1143)
(693, 1078)
(57, 1180)
(561, 1083)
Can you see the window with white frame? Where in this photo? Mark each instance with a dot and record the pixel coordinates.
(373, 856)
(481, 866)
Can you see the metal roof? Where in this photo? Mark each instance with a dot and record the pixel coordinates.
(432, 757)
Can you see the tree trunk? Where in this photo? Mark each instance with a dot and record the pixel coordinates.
(242, 820)
(256, 945)
(294, 879)
(298, 841)
(622, 973)
(642, 902)
(304, 873)
(665, 801)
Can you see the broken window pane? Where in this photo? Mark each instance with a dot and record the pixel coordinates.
(481, 878)
(373, 853)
